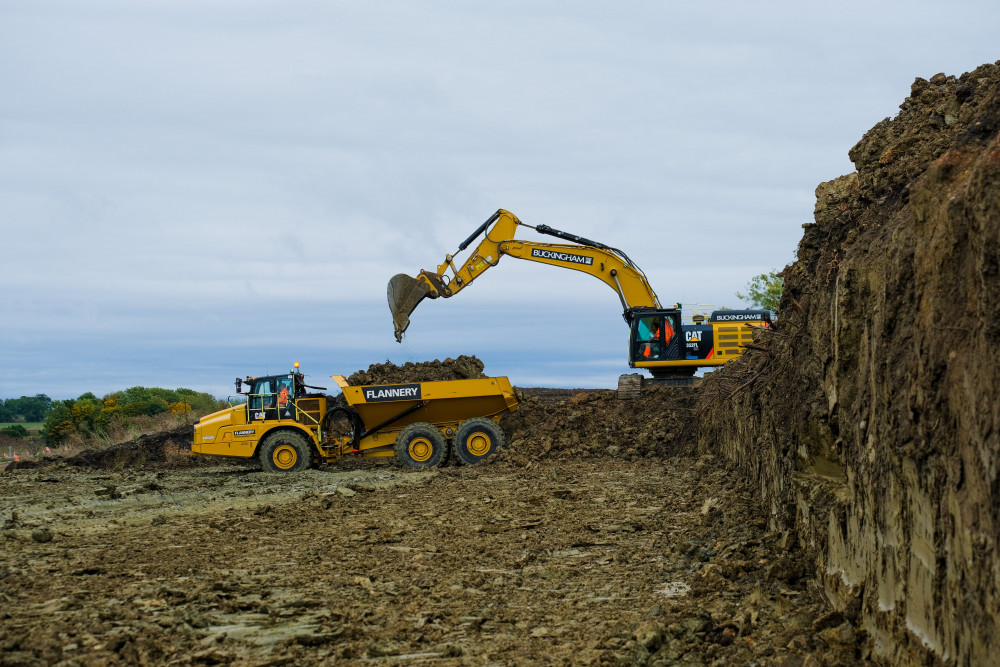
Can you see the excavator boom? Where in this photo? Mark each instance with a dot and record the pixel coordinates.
(607, 264)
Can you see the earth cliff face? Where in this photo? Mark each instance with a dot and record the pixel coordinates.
(869, 420)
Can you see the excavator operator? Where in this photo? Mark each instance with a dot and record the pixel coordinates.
(657, 343)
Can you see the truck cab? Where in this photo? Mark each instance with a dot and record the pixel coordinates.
(271, 397)
(271, 403)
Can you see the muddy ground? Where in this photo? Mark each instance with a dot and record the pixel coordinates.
(565, 555)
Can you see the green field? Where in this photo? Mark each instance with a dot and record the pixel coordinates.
(31, 426)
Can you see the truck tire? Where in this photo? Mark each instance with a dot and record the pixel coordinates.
(421, 445)
(285, 451)
(478, 439)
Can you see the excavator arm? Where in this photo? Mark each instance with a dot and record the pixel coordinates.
(610, 265)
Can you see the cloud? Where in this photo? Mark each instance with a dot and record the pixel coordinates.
(191, 189)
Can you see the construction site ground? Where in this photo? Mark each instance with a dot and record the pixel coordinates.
(555, 560)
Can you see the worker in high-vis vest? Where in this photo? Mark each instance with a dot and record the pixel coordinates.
(654, 336)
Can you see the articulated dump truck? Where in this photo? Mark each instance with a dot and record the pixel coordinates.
(288, 427)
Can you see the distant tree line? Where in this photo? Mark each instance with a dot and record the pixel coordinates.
(25, 409)
(89, 416)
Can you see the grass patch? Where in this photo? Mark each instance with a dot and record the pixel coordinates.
(31, 426)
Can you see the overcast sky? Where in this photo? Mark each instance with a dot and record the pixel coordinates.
(191, 191)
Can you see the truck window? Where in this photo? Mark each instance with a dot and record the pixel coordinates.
(262, 395)
(285, 391)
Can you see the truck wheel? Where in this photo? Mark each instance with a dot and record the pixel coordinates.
(285, 451)
(478, 438)
(420, 445)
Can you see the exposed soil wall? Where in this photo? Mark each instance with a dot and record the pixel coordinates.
(870, 419)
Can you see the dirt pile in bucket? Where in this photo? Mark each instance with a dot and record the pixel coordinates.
(869, 419)
(464, 367)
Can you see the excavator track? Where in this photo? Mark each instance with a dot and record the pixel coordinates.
(630, 385)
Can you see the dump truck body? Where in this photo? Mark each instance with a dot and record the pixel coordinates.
(384, 410)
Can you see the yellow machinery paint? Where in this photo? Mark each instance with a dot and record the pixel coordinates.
(420, 423)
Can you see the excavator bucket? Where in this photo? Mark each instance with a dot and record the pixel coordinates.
(404, 294)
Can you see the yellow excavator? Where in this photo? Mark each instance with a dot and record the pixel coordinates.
(658, 340)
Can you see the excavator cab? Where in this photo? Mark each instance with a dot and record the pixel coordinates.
(661, 345)
(656, 336)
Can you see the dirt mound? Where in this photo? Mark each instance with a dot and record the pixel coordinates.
(549, 423)
(144, 451)
(869, 420)
(157, 450)
(463, 368)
